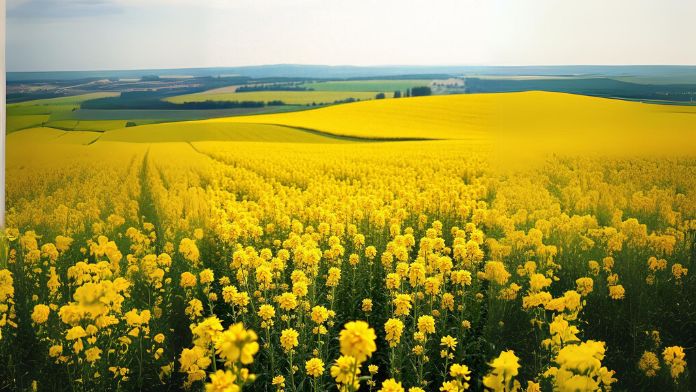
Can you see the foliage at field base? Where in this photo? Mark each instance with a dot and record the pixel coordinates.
(289, 97)
(392, 266)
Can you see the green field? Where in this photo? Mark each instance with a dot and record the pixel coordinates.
(15, 123)
(39, 112)
(368, 85)
(288, 97)
(73, 100)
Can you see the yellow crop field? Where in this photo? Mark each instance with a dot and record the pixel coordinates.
(197, 131)
(288, 97)
(87, 125)
(78, 137)
(36, 136)
(550, 120)
(267, 253)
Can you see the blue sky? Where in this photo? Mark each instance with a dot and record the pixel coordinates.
(129, 34)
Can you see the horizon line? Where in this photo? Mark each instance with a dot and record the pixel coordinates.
(353, 66)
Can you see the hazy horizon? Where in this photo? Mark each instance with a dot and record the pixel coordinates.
(358, 66)
(76, 35)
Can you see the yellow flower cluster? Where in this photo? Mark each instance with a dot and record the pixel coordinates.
(434, 251)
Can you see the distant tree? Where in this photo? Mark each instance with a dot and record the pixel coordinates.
(397, 94)
(421, 91)
(408, 92)
(150, 78)
(380, 96)
(130, 124)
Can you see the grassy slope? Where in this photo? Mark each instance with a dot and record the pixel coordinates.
(15, 123)
(73, 100)
(35, 113)
(289, 97)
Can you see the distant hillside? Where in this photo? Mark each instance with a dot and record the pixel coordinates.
(600, 87)
(674, 74)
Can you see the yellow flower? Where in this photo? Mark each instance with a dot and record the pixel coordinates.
(426, 324)
(394, 328)
(320, 314)
(314, 367)
(187, 280)
(593, 266)
(93, 354)
(367, 305)
(460, 371)
(266, 312)
(75, 333)
(617, 292)
(402, 302)
(674, 358)
(357, 340)
(288, 339)
(206, 276)
(194, 308)
(584, 285)
(580, 368)
(393, 281)
(55, 351)
(391, 385)
(533, 387)
(678, 271)
(189, 250)
(345, 370)
(236, 344)
(194, 359)
(287, 301)
(222, 381)
(538, 282)
(264, 276)
(505, 368)
(40, 313)
(299, 288)
(649, 364)
(134, 319)
(279, 381)
(449, 342)
(495, 271)
(334, 277)
(205, 332)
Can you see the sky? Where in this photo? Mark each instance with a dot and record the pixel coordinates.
(51, 35)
